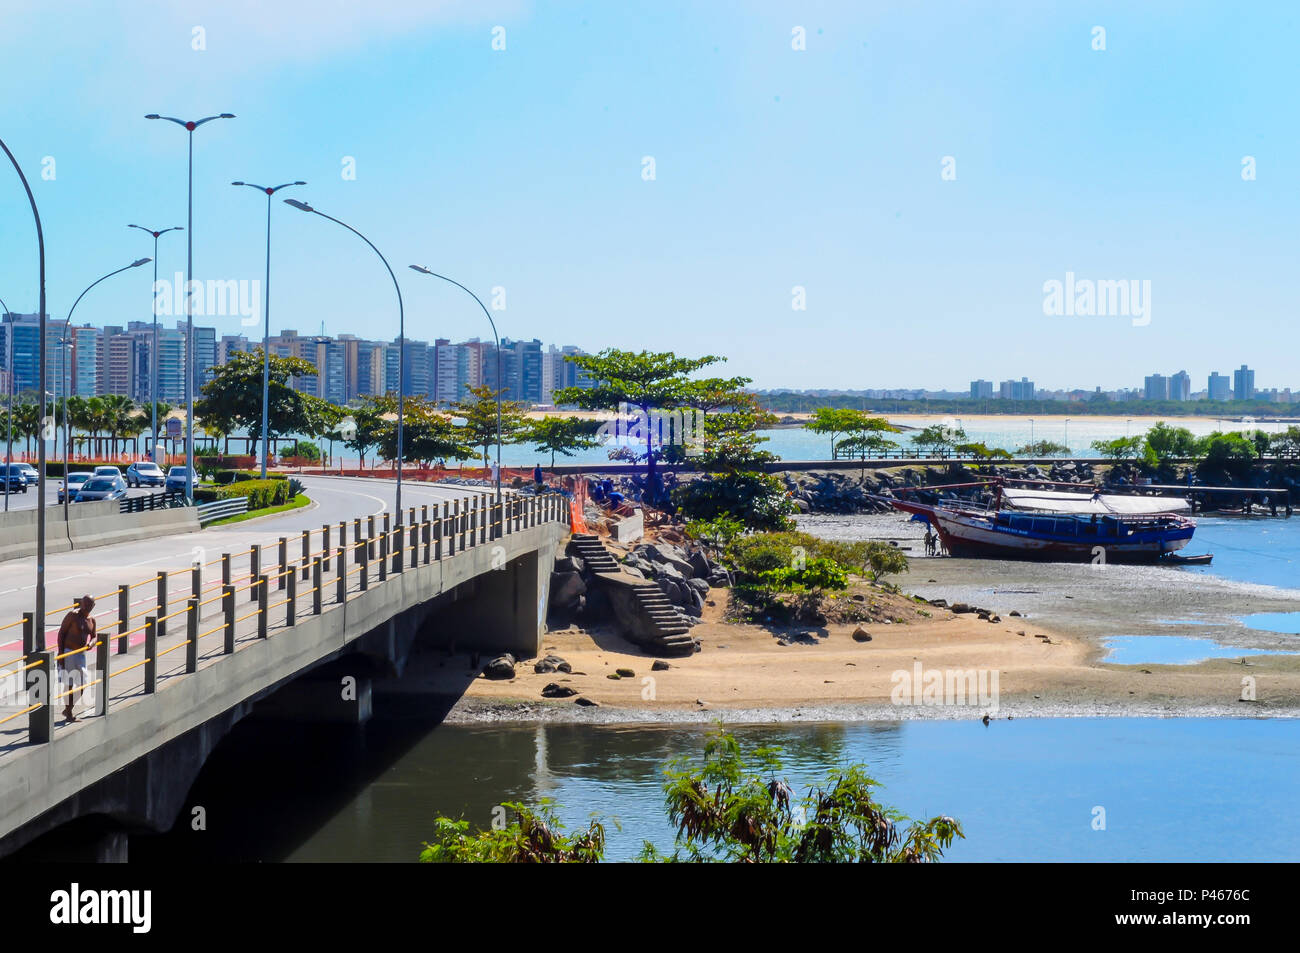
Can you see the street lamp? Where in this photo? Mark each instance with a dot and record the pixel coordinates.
(153, 374)
(266, 316)
(401, 340)
(1067, 434)
(37, 639)
(9, 407)
(189, 126)
(63, 368)
(425, 271)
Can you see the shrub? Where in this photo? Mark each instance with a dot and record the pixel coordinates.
(260, 493)
(301, 450)
(758, 500)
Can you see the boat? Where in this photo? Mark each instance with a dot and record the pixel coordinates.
(1082, 528)
(1178, 559)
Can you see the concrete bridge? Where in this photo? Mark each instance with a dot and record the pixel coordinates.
(298, 627)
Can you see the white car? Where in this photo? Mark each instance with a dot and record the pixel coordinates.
(108, 472)
(101, 488)
(29, 472)
(73, 484)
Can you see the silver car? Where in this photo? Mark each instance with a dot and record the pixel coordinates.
(144, 473)
(29, 473)
(176, 477)
(73, 484)
(101, 488)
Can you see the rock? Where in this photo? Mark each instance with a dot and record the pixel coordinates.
(961, 608)
(861, 635)
(699, 585)
(566, 587)
(700, 566)
(995, 618)
(625, 673)
(569, 564)
(586, 702)
(554, 690)
(503, 666)
(613, 676)
(552, 663)
(1014, 613)
(660, 665)
(939, 603)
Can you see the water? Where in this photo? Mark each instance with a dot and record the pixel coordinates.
(1288, 622)
(1171, 650)
(1024, 790)
(1260, 550)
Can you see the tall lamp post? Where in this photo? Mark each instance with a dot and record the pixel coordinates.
(63, 369)
(433, 274)
(189, 126)
(266, 317)
(401, 341)
(9, 406)
(37, 640)
(153, 372)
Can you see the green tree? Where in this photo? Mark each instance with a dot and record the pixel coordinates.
(848, 422)
(759, 500)
(480, 413)
(428, 434)
(1043, 448)
(565, 435)
(360, 427)
(1233, 453)
(1121, 448)
(982, 451)
(730, 805)
(1165, 442)
(232, 400)
(644, 382)
(939, 437)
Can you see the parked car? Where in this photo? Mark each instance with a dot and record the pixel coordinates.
(101, 488)
(73, 483)
(14, 478)
(176, 477)
(144, 473)
(29, 472)
(108, 472)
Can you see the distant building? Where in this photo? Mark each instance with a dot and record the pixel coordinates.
(1180, 386)
(1243, 383)
(981, 390)
(1220, 386)
(1156, 387)
(1022, 389)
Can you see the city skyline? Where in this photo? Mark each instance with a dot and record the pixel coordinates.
(549, 153)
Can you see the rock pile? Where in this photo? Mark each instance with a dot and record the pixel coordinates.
(684, 577)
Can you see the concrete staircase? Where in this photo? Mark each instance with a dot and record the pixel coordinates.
(642, 611)
(592, 552)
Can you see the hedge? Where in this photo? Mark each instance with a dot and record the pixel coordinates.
(229, 462)
(260, 493)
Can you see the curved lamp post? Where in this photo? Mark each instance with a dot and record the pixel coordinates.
(266, 316)
(153, 373)
(63, 369)
(433, 274)
(189, 126)
(9, 407)
(37, 640)
(401, 341)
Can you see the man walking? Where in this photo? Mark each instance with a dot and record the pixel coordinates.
(76, 635)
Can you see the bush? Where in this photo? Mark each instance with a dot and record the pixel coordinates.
(228, 462)
(301, 450)
(758, 500)
(260, 493)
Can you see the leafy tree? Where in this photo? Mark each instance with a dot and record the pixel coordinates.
(302, 449)
(644, 382)
(982, 451)
(715, 535)
(360, 427)
(885, 560)
(730, 441)
(1231, 452)
(939, 437)
(731, 805)
(480, 413)
(846, 421)
(758, 500)
(533, 837)
(865, 444)
(427, 433)
(1043, 448)
(564, 435)
(232, 400)
(1121, 448)
(1166, 442)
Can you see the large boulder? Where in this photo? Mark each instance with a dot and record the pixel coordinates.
(503, 666)
(700, 566)
(566, 587)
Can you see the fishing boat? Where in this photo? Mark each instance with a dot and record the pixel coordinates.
(1060, 527)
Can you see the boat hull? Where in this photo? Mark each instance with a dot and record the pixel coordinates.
(983, 536)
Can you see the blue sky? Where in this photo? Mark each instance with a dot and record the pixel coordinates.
(774, 168)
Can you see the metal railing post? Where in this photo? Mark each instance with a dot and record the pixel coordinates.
(40, 691)
(325, 538)
(341, 572)
(370, 537)
(196, 581)
(254, 570)
(306, 552)
(356, 538)
(263, 584)
(365, 565)
(284, 562)
(192, 636)
(226, 576)
(291, 600)
(439, 523)
(162, 604)
(228, 611)
(316, 585)
(383, 551)
(102, 656)
(123, 617)
(150, 655)
(399, 553)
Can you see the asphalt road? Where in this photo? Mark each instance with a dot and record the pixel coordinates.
(101, 570)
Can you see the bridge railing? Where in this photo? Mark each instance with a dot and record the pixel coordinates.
(228, 601)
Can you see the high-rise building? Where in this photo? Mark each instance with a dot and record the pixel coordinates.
(1156, 387)
(1220, 387)
(981, 390)
(86, 342)
(446, 372)
(171, 364)
(1022, 389)
(1243, 383)
(1180, 386)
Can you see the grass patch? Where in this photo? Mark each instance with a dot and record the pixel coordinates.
(297, 502)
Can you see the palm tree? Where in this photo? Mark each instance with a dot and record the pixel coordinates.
(27, 422)
(119, 417)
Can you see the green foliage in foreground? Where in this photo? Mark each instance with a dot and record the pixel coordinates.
(729, 806)
(754, 554)
(758, 500)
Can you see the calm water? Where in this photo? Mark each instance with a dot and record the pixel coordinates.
(1170, 650)
(1250, 549)
(1023, 789)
